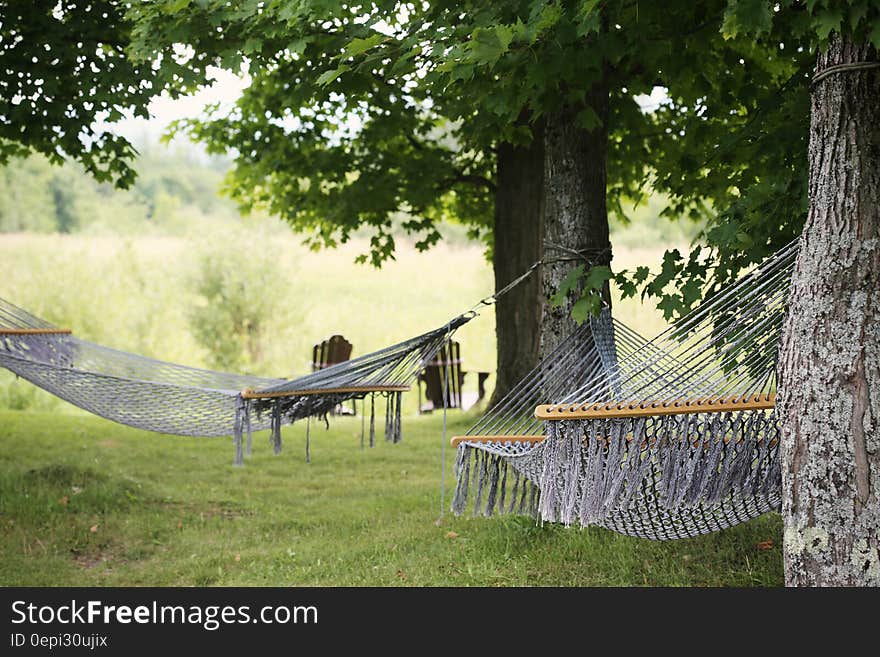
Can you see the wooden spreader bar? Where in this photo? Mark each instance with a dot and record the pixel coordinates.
(531, 440)
(34, 331)
(249, 393)
(535, 440)
(588, 411)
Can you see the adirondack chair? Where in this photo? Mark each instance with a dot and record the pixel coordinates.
(445, 371)
(333, 350)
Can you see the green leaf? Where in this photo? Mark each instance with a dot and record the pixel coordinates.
(568, 283)
(856, 13)
(668, 272)
(298, 46)
(584, 307)
(360, 46)
(627, 288)
(747, 18)
(691, 292)
(488, 44)
(252, 45)
(669, 304)
(464, 72)
(549, 16)
(588, 119)
(875, 35)
(402, 62)
(589, 18)
(328, 76)
(174, 7)
(597, 276)
(826, 22)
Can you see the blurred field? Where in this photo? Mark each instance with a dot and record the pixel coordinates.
(170, 269)
(139, 294)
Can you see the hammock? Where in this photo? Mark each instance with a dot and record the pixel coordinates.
(596, 350)
(165, 397)
(677, 437)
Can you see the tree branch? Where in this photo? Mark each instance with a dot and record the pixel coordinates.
(415, 143)
(468, 178)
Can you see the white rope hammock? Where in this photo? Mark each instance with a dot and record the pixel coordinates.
(159, 396)
(666, 439)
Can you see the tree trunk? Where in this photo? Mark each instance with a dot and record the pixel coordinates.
(517, 246)
(830, 359)
(575, 216)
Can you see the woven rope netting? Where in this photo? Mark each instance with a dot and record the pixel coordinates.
(673, 438)
(388, 372)
(169, 398)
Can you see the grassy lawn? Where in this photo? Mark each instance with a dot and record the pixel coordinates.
(85, 502)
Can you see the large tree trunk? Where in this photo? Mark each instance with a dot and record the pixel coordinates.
(517, 246)
(830, 360)
(575, 216)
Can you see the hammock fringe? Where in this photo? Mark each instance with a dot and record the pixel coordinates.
(593, 472)
(372, 420)
(237, 431)
(248, 428)
(494, 485)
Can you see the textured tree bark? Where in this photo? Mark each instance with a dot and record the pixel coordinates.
(830, 359)
(575, 216)
(517, 245)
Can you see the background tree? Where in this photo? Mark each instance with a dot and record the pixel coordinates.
(391, 114)
(231, 321)
(36, 196)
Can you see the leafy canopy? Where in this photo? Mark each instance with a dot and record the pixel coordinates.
(744, 149)
(378, 114)
(65, 75)
(358, 114)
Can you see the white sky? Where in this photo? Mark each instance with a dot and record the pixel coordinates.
(651, 102)
(226, 89)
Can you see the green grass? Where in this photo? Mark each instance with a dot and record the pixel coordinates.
(85, 502)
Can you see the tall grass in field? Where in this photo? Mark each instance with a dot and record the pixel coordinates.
(250, 297)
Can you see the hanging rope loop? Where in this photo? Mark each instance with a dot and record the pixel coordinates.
(842, 68)
(590, 256)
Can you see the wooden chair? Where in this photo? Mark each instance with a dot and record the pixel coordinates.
(445, 371)
(333, 350)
